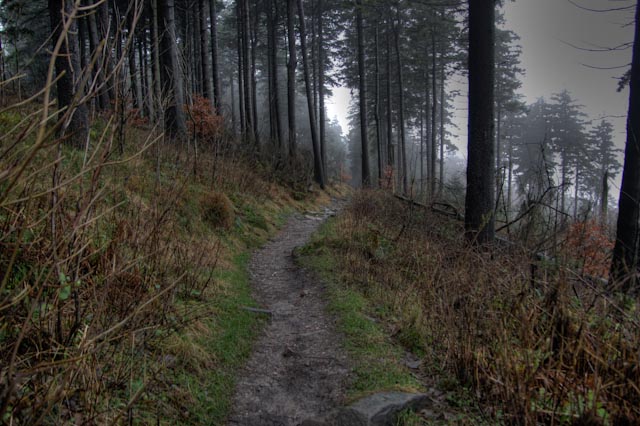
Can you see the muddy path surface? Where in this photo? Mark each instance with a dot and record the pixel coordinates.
(298, 369)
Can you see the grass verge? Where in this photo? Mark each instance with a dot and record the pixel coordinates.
(226, 337)
(376, 359)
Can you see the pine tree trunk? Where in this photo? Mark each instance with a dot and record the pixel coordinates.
(170, 76)
(75, 128)
(155, 60)
(248, 89)
(427, 126)
(377, 110)
(314, 60)
(274, 96)
(604, 198)
(204, 52)
(273, 135)
(241, 87)
(321, 64)
(366, 174)
(291, 77)
(144, 48)
(234, 120)
(192, 59)
(317, 160)
(217, 93)
(421, 153)
(82, 36)
(625, 252)
(434, 121)
(442, 129)
(479, 200)
(563, 184)
(499, 175)
(575, 193)
(402, 149)
(390, 155)
(509, 180)
(253, 28)
(133, 67)
(99, 71)
(104, 34)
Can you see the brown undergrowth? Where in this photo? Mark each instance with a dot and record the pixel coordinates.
(533, 342)
(112, 267)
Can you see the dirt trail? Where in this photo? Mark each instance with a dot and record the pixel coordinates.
(297, 369)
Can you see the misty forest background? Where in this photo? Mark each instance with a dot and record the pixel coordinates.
(149, 145)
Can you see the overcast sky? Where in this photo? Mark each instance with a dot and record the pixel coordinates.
(552, 33)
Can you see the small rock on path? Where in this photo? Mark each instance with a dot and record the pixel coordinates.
(298, 369)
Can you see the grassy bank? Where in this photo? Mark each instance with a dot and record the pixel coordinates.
(123, 272)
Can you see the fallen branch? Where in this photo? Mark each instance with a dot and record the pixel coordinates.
(257, 310)
(436, 207)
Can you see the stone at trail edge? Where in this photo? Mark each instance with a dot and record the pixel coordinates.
(380, 409)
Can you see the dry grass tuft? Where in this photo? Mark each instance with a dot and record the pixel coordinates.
(218, 210)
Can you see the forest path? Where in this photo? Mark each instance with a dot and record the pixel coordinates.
(297, 369)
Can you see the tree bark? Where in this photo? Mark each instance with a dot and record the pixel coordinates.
(390, 156)
(323, 113)
(366, 174)
(624, 265)
(575, 192)
(241, 87)
(75, 127)
(377, 110)
(170, 76)
(248, 89)
(234, 123)
(252, 33)
(604, 198)
(272, 74)
(434, 109)
(442, 122)
(148, 96)
(96, 48)
(427, 127)
(509, 179)
(207, 91)
(131, 55)
(217, 93)
(402, 149)
(479, 200)
(104, 34)
(317, 158)
(155, 59)
(291, 77)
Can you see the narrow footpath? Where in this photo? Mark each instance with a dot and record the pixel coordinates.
(298, 369)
